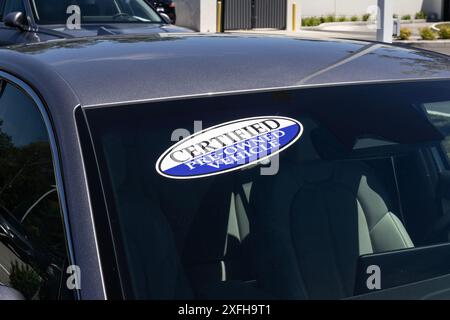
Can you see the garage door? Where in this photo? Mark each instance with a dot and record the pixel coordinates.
(254, 14)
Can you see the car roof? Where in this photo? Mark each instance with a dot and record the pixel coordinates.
(119, 69)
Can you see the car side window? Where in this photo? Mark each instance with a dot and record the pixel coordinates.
(439, 115)
(8, 6)
(2, 7)
(32, 239)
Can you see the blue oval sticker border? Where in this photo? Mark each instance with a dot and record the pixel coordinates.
(228, 147)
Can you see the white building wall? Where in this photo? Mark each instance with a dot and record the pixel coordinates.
(317, 7)
(359, 7)
(198, 15)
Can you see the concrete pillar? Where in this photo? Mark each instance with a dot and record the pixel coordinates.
(385, 21)
(198, 15)
(293, 19)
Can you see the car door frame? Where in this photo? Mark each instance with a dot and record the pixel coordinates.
(26, 89)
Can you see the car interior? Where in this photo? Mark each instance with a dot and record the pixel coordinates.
(307, 232)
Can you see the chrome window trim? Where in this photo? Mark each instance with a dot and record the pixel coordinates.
(88, 193)
(55, 159)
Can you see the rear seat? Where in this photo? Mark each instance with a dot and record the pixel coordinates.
(214, 261)
(311, 222)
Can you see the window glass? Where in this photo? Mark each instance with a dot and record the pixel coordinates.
(439, 114)
(95, 11)
(43, 225)
(9, 6)
(32, 245)
(2, 8)
(356, 189)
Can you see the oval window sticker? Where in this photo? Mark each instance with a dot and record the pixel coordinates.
(229, 146)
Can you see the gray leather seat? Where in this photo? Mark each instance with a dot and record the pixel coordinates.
(211, 255)
(312, 221)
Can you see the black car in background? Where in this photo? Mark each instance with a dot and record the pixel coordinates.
(24, 21)
(167, 7)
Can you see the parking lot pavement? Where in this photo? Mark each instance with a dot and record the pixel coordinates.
(5, 262)
(356, 32)
(341, 34)
(362, 32)
(443, 50)
(314, 34)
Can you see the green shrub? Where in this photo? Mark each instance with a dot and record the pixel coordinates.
(444, 32)
(310, 22)
(342, 19)
(330, 18)
(427, 34)
(315, 21)
(395, 16)
(366, 17)
(306, 22)
(405, 34)
(406, 17)
(354, 18)
(421, 15)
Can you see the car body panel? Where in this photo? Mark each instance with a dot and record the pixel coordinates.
(208, 64)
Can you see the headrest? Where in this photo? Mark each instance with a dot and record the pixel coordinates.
(326, 145)
(316, 143)
(311, 153)
(304, 150)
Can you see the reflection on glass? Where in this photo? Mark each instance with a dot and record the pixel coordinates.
(32, 246)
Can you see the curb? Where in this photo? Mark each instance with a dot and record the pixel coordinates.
(360, 23)
(426, 43)
(348, 23)
(434, 26)
(413, 21)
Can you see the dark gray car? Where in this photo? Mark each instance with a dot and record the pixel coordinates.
(257, 168)
(25, 21)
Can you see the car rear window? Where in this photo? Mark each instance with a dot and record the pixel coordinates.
(346, 176)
